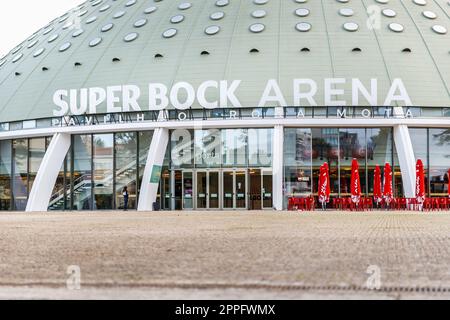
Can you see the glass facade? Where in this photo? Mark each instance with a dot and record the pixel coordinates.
(305, 150)
(432, 146)
(212, 169)
(19, 163)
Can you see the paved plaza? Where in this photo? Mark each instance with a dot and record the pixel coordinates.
(229, 255)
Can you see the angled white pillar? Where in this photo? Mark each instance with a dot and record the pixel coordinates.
(406, 158)
(277, 167)
(51, 164)
(152, 172)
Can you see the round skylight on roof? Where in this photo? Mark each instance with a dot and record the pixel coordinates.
(259, 13)
(91, 19)
(429, 14)
(32, 44)
(257, 27)
(303, 26)
(396, 27)
(53, 37)
(104, 8)
(177, 19)
(222, 3)
(420, 2)
(107, 27)
(2, 62)
(169, 33)
(217, 15)
(346, 12)
(119, 14)
(212, 30)
(94, 42)
(351, 26)
(140, 23)
(150, 10)
(65, 46)
(389, 13)
(130, 3)
(184, 6)
(77, 33)
(130, 37)
(260, 1)
(302, 12)
(439, 29)
(17, 58)
(47, 31)
(38, 52)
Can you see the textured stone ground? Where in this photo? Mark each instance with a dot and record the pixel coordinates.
(225, 255)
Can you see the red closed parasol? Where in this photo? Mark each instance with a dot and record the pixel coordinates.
(377, 196)
(420, 182)
(355, 182)
(388, 193)
(324, 184)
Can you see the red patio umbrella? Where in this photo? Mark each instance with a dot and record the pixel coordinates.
(355, 182)
(388, 193)
(448, 185)
(420, 182)
(328, 189)
(377, 196)
(324, 185)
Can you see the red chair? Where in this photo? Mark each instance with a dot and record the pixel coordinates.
(401, 203)
(368, 203)
(442, 203)
(337, 202)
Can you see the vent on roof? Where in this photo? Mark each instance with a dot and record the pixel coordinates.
(44, 69)
(254, 50)
(158, 56)
(115, 60)
(204, 53)
(17, 73)
(305, 50)
(356, 50)
(77, 64)
(407, 50)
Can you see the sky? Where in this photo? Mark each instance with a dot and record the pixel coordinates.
(19, 19)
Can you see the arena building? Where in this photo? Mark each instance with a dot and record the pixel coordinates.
(223, 104)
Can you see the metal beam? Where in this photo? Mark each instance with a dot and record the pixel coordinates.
(48, 172)
(152, 172)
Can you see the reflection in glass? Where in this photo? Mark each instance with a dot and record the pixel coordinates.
(82, 172)
(234, 147)
(352, 143)
(126, 168)
(20, 169)
(439, 143)
(207, 148)
(325, 148)
(103, 177)
(36, 154)
(188, 192)
(5, 175)
(297, 162)
(379, 151)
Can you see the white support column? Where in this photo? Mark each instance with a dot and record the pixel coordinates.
(406, 158)
(44, 183)
(277, 167)
(152, 172)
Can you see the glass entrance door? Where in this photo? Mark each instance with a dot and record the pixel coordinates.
(266, 190)
(207, 192)
(234, 189)
(213, 190)
(202, 190)
(187, 184)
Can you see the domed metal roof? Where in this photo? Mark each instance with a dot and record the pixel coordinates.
(113, 42)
